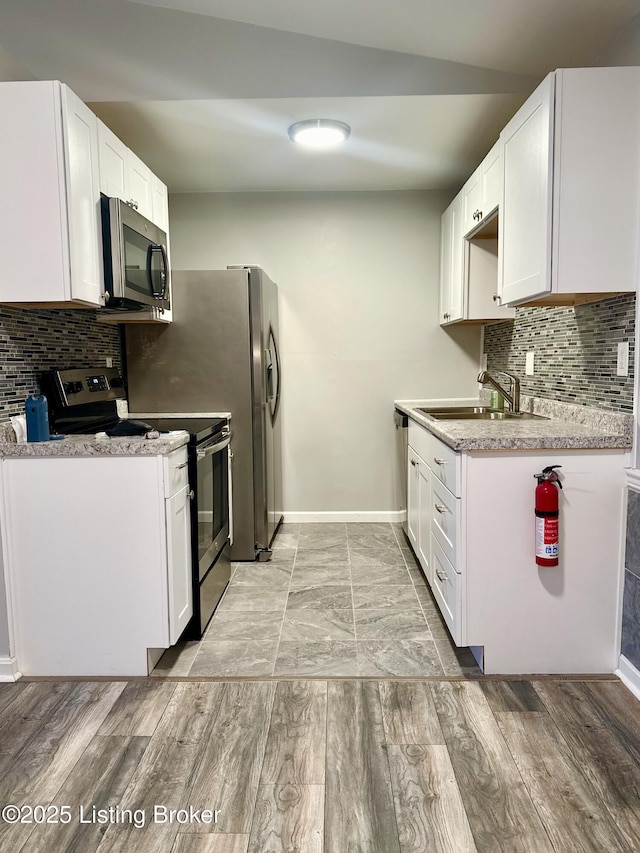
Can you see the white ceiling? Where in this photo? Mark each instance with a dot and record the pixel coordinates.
(203, 90)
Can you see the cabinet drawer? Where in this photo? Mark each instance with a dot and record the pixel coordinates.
(446, 586)
(444, 462)
(444, 511)
(176, 472)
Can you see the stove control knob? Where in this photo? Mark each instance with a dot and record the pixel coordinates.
(72, 387)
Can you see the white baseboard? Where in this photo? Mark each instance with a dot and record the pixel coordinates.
(8, 669)
(629, 675)
(305, 517)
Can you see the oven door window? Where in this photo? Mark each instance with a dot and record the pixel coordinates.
(212, 503)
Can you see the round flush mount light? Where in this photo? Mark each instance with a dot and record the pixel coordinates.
(319, 132)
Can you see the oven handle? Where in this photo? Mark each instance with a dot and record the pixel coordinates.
(213, 448)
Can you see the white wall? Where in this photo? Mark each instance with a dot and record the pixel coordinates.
(358, 286)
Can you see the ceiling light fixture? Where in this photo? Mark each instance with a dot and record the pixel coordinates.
(319, 132)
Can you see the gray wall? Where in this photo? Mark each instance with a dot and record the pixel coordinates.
(358, 277)
(575, 351)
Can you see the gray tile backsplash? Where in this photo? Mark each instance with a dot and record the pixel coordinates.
(32, 341)
(631, 598)
(575, 351)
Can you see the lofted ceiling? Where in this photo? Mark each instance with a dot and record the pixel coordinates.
(203, 90)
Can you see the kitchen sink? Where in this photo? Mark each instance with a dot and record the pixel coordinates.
(477, 413)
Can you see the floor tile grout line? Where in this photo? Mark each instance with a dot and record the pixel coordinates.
(286, 604)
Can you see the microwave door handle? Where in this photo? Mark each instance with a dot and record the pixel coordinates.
(155, 249)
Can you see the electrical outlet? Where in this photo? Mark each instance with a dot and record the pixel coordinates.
(528, 363)
(622, 367)
(109, 361)
(483, 361)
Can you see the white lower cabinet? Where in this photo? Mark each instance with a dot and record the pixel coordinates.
(97, 561)
(480, 560)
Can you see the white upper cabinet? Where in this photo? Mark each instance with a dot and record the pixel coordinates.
(50, 233)
(123, 175)
(469, 249)
(569, 212)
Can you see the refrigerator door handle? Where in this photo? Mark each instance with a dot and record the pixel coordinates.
(274, 362)
(268, 358)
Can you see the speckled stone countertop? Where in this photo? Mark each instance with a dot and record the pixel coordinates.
(89, 445)
(568, 427)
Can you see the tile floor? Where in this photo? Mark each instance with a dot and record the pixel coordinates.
(335, 600)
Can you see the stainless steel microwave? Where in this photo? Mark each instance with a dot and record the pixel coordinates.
(136, 269)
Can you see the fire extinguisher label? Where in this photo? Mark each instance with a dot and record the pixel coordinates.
(547, 537)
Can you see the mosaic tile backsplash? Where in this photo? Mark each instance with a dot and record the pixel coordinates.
(34, 341)
(575, 348)
(631, 600)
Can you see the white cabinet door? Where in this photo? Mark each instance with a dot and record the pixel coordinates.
(472, 202)
(83, 193)
(526, 210)
(491, 181)
(413, 498)
(141, 186)
(114, 164)
(452, 264)
(179, 563)
(424, 500)
(160, 204)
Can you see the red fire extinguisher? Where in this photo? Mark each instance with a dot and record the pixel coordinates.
(547, 517)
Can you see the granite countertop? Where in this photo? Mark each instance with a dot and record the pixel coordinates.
(89, 445)
(568, 427)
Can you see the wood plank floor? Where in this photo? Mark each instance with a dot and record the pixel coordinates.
(340, 766)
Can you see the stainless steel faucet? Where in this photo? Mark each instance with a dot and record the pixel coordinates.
(513, 396)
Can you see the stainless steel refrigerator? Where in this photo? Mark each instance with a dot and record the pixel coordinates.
(220, 354)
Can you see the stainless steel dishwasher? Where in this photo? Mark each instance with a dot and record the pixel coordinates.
(402, 437)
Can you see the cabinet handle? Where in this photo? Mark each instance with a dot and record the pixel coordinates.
(441, 508)
(439, 461)
(414, 463)
(497, 298)
(191, 495)
(446, 316)
(184, 465)
(441, 575)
